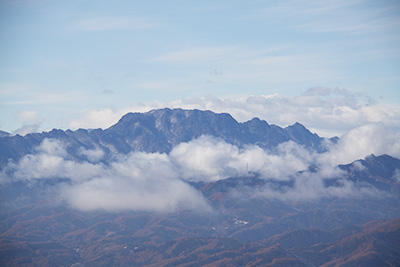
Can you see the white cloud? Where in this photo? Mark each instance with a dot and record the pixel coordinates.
(93, 155)
(26, 129)
(328, 112)
(40, 166)
(139, 181)
(50, 162)
(205, 159)
(93, 119)
(209, 159)
(31, 122)
(329, 115)
(374, 138)
(52, 147)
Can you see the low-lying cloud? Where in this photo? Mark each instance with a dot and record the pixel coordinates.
(210, 159)
(138, 181)
(161, 182)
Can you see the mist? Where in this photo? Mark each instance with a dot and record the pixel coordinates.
(160, 182)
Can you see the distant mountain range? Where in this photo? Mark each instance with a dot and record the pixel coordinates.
(160, 130)
(352, 218)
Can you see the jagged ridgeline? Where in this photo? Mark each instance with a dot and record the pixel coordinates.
(160, 130)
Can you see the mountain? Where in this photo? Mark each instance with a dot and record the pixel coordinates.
(374, 244)
(346, 215)
(4, 134)
(159, 131)
(382, 172)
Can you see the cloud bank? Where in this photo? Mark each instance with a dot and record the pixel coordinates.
(161, 182)
(209, 159)
(138, 181)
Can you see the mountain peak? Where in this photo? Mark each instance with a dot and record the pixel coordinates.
(297, 126)
(383, 166)
(300, 134)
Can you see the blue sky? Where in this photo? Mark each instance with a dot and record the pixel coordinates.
(63, 61)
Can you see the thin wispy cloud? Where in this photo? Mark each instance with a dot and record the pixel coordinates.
(306, 7)
(248, 65)
(363, 27)
(196, 54)
(31, 98)
(113, 23)
(152, 85)
(355, 16)
(9, 89)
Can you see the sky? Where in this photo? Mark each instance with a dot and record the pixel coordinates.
(330, 65)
